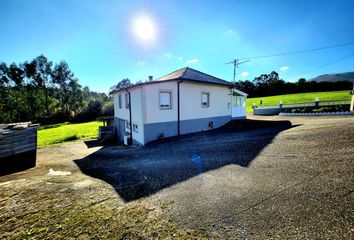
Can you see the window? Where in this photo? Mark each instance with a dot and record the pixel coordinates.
(211, 124)
(165, 100)
(135, 127)
(127, 124)
(120, 101)
(126, 100)
(205, 100)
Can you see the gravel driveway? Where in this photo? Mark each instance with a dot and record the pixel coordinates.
(289, 178)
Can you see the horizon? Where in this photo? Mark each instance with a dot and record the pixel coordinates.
(105, 42)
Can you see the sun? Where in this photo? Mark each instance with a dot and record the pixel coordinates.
(145, 28)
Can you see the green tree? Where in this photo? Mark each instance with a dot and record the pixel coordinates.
(75, 96)
(125, 83)
(42, 77)
(62, 76)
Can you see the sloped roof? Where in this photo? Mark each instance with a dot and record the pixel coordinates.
(185, 73)
(193, 75)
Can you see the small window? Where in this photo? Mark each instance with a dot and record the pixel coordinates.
(135, 127)
(120, 101)
(205, 100)
(211, 124)
(165, 100)
(126, 100)
(127, 124)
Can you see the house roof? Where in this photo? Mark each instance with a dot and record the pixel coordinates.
(188, 74)
(193, 75)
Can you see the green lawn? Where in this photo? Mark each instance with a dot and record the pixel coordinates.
(65, 132)
(299, 97)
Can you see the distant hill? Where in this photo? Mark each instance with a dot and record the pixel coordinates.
(347, 76)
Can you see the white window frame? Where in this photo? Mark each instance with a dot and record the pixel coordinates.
(208, 103)
(165, 107)
(120, 101)
(127, 101)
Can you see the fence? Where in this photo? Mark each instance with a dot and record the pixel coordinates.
(276, 109)
(307, 104)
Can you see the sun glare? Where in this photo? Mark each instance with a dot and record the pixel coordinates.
(145, 28)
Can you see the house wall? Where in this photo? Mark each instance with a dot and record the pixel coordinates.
(153, 113)
(193, 117)
(153, 121)
(191, 101)
(159, 121)
(122, 114)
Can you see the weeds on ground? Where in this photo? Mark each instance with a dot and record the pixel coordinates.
(56, 218)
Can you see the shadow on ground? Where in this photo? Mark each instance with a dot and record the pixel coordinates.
(140, 172)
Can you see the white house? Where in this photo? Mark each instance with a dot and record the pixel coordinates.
(184, 101)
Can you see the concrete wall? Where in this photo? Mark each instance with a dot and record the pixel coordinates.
(266, 111)
(202, 124)
(169, 129)
(152, 131)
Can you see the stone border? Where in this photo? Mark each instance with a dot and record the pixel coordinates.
(318, 114)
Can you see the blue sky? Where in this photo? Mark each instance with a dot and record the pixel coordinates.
(99, 41)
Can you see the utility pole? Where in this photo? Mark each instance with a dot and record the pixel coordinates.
(236, 63)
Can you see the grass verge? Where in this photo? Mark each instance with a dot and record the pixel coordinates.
(66, 132)
(299, 97)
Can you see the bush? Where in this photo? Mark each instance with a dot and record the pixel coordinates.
(58, 117)
(90, 113)
(108, 109)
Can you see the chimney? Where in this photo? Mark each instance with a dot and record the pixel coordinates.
(151, 78)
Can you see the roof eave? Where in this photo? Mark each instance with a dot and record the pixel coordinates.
(240, 92)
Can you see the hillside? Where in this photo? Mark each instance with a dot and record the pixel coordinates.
(347, 76)
(299, 97)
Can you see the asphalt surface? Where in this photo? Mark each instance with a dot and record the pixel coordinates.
(272, 177)
(277, 181)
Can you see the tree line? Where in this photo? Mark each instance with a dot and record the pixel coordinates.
(44, 92)
(271, 84)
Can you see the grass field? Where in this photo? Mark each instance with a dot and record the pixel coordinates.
(65, 132)
(299, 97)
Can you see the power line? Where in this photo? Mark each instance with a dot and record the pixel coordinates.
(299, 51)
(330, 63)
(236, 63)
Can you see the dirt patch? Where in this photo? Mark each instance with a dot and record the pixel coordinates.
(56, 201)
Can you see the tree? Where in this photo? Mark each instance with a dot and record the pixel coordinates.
(4, 80)
(62, 75)
(43, 74)
(75, 96)
(125, 83)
